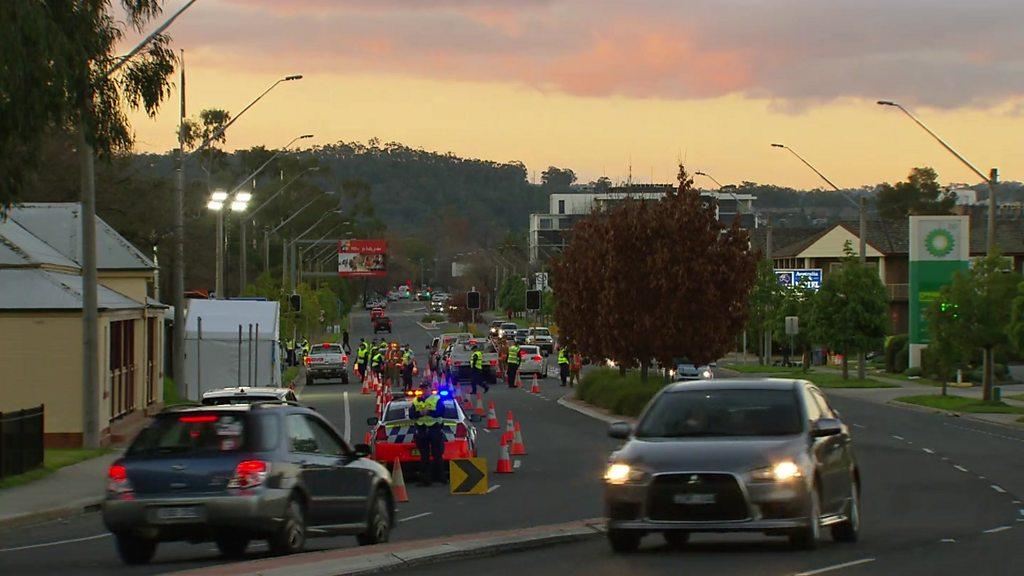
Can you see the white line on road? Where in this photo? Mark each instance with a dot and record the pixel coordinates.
(928, 450)
(837, 567)
(897, 437)
(960, 468)
(998, 489)
(493, 488)
(1004, 437)
(997, 529)
(517, 463)
(415, 516)
(859, 426)
(948, 540)
(57, 543)
(348, 420)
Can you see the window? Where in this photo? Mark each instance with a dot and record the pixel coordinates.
(301, 435)
(561, 206)
(326, 440)
(813, 411)
(545, 224)
(826, 410)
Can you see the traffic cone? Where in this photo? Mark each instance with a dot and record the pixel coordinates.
(519, 381)
(518, 448)
(510, 424)
(398, 483)
(479, 405)
(366, 388)
(504, 463)
(368, 437)
(535, 389)
(492, 418)
(467, 404)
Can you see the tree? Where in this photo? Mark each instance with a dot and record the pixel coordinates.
(195, 131)
(973, 312)
(557, 178)
(513, 294)
(602, 184)
(57, 57)
(794, 301)
(762, 304)
(654, 281)
(850, 312)
(920, 194)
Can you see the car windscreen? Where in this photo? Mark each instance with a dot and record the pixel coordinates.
(238, 399)
(401, 411)
(541, 332)
(722, 412)
(512, 327)
(191, 434)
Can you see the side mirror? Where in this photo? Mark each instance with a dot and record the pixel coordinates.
(372, 421)
(361, 450)
(826, 427)
(620, 430)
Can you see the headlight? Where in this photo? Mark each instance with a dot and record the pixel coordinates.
(706, 374)
(623, 473)
(780, 472)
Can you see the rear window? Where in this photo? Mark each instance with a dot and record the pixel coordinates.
(484, 346)
(326, 349)
(529, 349)
(240, 399)
(541, 332)
(192, 434)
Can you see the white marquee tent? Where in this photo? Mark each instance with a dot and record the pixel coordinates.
(231, 343)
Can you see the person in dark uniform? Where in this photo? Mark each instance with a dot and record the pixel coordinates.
(476, 369)
(426, 411)
(344, 341)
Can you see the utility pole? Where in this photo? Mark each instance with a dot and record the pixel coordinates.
(766, 343)
(178, 286)
(90, 300)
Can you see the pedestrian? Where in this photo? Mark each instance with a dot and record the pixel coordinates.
(513, 364)
(289, 347)
(408, 365)
(563, 365)
(575, 367)
(426, 412)
(344, 341)
(476, 367)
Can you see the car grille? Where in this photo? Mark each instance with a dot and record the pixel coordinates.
(696, 498)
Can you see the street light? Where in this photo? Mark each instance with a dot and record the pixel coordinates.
(739, 205)
(992, 179)
(236, 202)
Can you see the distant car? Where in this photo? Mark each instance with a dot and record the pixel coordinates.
(457, 362)
(766, 456)
(688, 371)
(376, 312)
(507, 329)
(531, 361)
(521, 335)
(392, 296)
(440, 344)
(247, 395)
(493, 329)
(233, 474)
(327, 360)
(541, 337)
(382, 324)
(437, 307)
(393, 435)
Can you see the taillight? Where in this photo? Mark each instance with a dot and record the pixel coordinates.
(249, 473)
(306, 360)
(344, 359)
(536, 358)
(494, 362)
(455, 362)
(461, 431)
(381, 435)
(117, 481)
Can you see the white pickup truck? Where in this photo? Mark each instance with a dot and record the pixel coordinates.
(326, 360)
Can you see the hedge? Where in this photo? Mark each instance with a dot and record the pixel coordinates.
(623, 395)
(893, 346)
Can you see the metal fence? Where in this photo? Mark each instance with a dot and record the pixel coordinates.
(21, 440)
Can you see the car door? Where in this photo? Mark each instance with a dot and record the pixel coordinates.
(347, 480)
(826, 452)
(839, 454)
(314, 468)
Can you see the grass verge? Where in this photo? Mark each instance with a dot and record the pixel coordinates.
(833, 380)
(171, 397)
(625, 395)
(759, 369)
(1015, 397)
(961, 404)
(289, 374)
(53, 459)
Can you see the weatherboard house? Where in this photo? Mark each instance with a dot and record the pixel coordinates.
(41, 324)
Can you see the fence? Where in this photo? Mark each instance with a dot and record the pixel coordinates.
(21, 440)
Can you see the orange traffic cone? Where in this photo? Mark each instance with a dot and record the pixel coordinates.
(366, 387)
(519, 381)
(479, 405)
(398, 483)
(368, 438)
(492, 418)
(518, 448)
(510, 424)
(504, 463)
(467, 404)
(535, 389)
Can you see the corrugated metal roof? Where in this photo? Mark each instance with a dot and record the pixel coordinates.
(57, 224)
(18, 247)
(37, 289)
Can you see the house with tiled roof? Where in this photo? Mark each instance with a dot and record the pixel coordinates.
(41, 324)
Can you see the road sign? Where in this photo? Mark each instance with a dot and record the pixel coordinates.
(540, 281)
(468, 476)
(473, 300)
(792, 325)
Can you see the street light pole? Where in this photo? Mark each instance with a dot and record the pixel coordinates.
(992, 179)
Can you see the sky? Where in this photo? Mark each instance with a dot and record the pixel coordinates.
(600, 86)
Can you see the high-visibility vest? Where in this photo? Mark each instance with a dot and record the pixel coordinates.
(407, 358)
(426, 407)
(378, 358)
(562, 358)
(476, 361)
(363, 352)
(513, 354)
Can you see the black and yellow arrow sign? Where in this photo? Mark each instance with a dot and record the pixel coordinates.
(468, 476)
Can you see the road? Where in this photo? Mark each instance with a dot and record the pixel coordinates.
(940, 496)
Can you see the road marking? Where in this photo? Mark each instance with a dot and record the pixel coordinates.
(837, 567)
(928, 450)
(57, 543)
(517, 463)
(415, 516)
(859, 426)
(897, 437)
(998, 489)
(948, 540)
(987, 433)
(994, 530)
(348, 420)
(493, 488)
(960, 468)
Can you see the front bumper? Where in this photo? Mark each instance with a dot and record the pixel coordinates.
(257, 513)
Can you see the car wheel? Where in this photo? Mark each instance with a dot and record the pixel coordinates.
(134, 549)
(676, 538)
(232, 546)
(290, 538)
(344, 377)
(849, 529)
(807, 538)
(378, 525)
(624, 541)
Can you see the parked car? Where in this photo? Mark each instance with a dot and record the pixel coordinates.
(392, 296)
(247, 395)
(327, 360)
(766, 456)
(541, 337)
(531, 361)
(233, 474)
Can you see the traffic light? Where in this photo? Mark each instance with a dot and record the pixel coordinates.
(296, 302)
(533, 299)
(473, 300)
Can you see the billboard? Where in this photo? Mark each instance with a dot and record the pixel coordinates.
(939, 248)
(364, 258)
(809, 278)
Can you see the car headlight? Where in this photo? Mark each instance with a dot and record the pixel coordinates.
(779, 472)
(623, 474)
(706, 374)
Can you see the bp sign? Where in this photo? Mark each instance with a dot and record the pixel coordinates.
(939, 247)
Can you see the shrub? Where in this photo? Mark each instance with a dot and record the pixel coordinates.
(625, 395)
(892, 348)
(902, 358)
(915, 371)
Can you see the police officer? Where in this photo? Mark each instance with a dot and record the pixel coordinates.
(362, 353)
(305, 346)
(476, 367)
(289, 347)
(377, 362)
(344, 341)
(426, 412)
(563, 364)
(408, 363)
(513, 363)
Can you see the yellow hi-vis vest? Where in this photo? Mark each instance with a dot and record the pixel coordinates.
(426, 407)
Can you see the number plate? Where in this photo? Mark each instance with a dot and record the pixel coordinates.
(694, 498)
(415, 452)
(178, 513)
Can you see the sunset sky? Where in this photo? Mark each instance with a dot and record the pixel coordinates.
(593, 85)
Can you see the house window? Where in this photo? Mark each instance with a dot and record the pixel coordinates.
(561, 206)
(122, 368)
(545, 223)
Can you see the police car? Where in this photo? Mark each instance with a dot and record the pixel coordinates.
(393, 436)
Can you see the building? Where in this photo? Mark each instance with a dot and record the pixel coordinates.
(549, 231)
(887, 250)
(41, 324)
